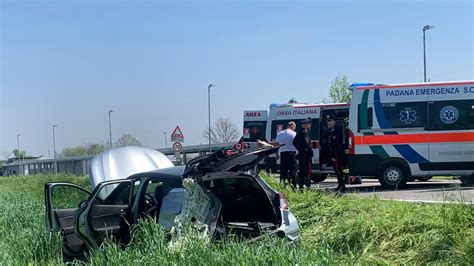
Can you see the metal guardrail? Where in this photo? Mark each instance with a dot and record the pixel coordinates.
(167, 151)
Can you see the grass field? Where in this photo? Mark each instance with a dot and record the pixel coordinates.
(334, 230)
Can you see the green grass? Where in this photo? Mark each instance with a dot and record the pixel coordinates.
(334, 230)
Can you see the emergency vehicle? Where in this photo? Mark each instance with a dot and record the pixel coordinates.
(264, 126)
(406, 131)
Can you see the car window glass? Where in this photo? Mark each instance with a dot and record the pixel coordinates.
(115, 194)
(152, 187)
(228, 184)
(65, 197)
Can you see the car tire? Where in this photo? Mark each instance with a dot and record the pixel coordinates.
(318, 177)
(392, 175)
(467, 180)
(424, 178)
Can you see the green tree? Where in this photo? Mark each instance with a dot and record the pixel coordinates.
(339, 91)
(91, 149)
(73, 151)
(127, 140)
(96, 148)
(19, 154)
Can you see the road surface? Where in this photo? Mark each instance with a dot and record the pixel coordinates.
(432, 191)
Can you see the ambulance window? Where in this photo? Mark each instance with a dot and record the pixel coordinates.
(406, 115)
(254, 130)
(370, 117)
(452, 115)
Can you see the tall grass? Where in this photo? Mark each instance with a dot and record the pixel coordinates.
(373, 231)
(334, 230)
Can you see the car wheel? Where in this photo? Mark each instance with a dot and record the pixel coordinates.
(467, 180)
(424, 178)
(319, 178)
(392, 175)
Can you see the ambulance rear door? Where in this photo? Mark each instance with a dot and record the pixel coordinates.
(280, 116)
(255, 125)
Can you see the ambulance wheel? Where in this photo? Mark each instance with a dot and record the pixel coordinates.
(467, 180)
(392, 175)
(424, 178)
(318, 178)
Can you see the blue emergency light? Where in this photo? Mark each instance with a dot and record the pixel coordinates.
(361, 84)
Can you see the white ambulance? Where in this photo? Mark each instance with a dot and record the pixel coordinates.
(263, 125)
(406, 131)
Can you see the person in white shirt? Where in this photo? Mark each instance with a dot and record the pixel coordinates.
(288, 165)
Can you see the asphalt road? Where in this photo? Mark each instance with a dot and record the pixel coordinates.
(432, 191)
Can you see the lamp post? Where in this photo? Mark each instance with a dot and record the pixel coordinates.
(209, 112)
(110, 130)
(19, 153)
(55, 166)
(166, 142)
(18, 143)
(425, 28)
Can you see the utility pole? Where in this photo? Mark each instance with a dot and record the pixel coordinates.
(19, 152)
(425, 28)
(110, 130)
(55, 166)
(166, 142)
(209, 112)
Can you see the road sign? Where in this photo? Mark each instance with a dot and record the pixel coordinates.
(177, 146)
(177, 135)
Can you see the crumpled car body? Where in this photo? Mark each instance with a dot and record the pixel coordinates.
(220, 194)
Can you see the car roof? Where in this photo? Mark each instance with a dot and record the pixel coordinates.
(171, 177)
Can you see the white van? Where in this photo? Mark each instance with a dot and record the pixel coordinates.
(406, 131)
(260, 126)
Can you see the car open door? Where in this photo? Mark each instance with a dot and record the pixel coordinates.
(107, 213)
(61, 201)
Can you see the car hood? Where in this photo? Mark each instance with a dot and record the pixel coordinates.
(122, 162)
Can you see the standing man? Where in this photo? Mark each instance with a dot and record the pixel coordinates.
(336, 151)
(287, 154)
(302, 143)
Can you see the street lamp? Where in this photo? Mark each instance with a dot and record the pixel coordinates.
(110, 129)
(18, 143)
(55, 166)
(19, 153)
(425, 28)
(209, 112)
(166, 142)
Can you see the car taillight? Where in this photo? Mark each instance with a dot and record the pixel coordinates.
(351, 142)
(283, 201)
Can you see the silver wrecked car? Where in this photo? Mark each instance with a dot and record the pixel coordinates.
(219, 192)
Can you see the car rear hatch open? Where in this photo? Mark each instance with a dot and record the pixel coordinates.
(219, 161)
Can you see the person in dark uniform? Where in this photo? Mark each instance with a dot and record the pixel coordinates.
(336, 151)
(302, 142)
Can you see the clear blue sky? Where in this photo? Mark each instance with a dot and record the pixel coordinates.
(69, 62)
